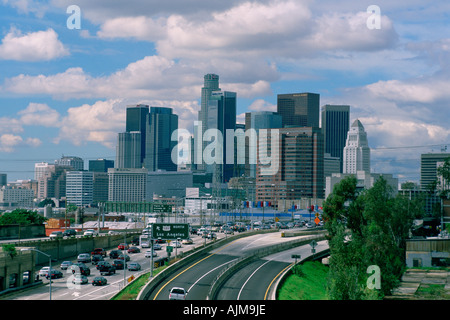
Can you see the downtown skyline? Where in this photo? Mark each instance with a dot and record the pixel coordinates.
(70, 96)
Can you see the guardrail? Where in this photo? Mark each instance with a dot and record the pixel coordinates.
(223, 276)
(160, 277)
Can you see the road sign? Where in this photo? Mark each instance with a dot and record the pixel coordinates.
(317, 220)
(169, 249)
(313, 244)
(170, 231)
(158, 208)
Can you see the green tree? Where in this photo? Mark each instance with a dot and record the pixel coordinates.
(367, 228)
(22, 217)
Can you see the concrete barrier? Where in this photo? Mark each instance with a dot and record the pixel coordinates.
(193, 256)
(223, 276)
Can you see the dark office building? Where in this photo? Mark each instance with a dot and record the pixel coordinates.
(299, 109)
(222, 116)
(335, 126)
(136, 120)
(428, 167)
(159, 145)
(300, 171)
(100, 165)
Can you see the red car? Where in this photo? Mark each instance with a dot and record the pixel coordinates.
(133, 250)
(122, 246)
(98, 251)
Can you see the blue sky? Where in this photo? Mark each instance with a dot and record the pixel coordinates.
(64, 91)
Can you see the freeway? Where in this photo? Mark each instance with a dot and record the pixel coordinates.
(198, 276)
(63, 289)
(253, 281)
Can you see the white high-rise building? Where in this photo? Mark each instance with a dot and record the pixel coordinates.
(356, 150)
(128, 185)
(79, 187)
(40, 169)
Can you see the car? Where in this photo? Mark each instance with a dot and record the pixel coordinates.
(43, 272)
(96, 258)
(157, 246)
(70, 233)
(84, 257)
(124, 257)
(134, 266)
(113, 233)
(107, 270)
(118, 264)
(148, 254)
(160, 241)
(133, 250)
(177, 293)
(122, 246)
(176, 244)
(145, 244)
(56, 235)
(99, 281)
(113, 254)
(212, 235)
(187, 241)
(90, 233)
(310, 225)
(79, 279)
(65, 264)
(98, 251)
(54, 274)
(80, 268)
(100, 264)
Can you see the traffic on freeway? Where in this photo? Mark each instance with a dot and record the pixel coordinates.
(252, 282)
(108, 281)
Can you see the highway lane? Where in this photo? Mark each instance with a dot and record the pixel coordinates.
(252, 282)
(197, 277)
(63, 289)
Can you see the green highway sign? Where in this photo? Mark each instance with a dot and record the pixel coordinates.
(159, 208)
(170, 231)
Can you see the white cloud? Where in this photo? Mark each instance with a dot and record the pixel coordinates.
(33, 46)
(39, 114)
(8, 142)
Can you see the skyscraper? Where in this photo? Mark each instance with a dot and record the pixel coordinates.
(356, 150)
(428, 167)
(300, 171)
(210, 84)
(128, 151)
(258, 120)
(159, 145)
(136, 120)
(335, 126)
(79, 187)
(222, 116)
(299, 109)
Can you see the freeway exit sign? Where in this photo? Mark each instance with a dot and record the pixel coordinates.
(170, 231)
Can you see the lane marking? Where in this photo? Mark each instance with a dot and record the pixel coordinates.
(210, 272)
(159, 291)
(271, 282)
(240, 291)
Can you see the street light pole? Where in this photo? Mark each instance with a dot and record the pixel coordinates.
(49, 264)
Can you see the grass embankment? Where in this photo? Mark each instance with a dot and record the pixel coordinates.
(307, 282)
(131, 291)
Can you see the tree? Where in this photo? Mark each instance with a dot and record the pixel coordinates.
(366, 228)
(22, 217)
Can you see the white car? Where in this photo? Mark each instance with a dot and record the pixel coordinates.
(177, 293)
(90, 233)
(148, 253)
(43, 272)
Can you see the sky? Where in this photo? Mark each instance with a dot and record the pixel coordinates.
(66, 76)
